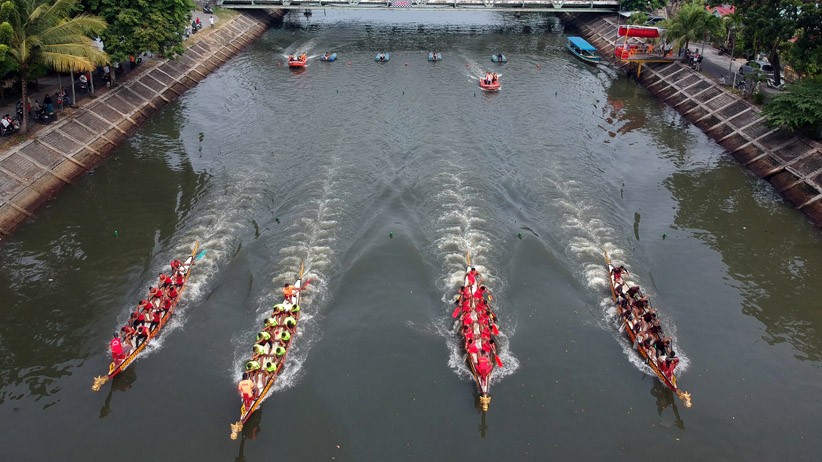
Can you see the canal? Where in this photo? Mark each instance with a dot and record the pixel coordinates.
(381, 176)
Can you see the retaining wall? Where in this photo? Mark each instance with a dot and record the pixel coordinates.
(32, 172)
(791, 163)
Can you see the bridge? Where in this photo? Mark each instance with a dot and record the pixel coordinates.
(522, 6)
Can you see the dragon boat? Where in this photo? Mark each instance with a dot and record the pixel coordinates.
(131, 351)
(477, 329)
(626, 304)
(269, 354)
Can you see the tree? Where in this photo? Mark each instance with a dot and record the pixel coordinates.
(799, 108)
(641, 5)
(691, 23)
(805, 55)
(43, 32)
(138, 26)
(771, 24)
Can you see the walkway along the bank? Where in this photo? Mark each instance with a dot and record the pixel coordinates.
(32, 172)
(791, 163)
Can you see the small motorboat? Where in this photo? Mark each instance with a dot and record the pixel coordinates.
(499, 58)
(492, 86)
(329, 58)
(297, 63)
(382, 57)
(435, 56)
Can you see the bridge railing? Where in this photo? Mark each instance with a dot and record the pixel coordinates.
(518, 5)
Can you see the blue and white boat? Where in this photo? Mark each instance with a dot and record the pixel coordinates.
(583, 50)
(382, 57)
(499, 58)
(330, 58)
(435, 56)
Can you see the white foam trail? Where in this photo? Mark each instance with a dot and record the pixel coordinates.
(459, 228)
(312, 239)
(591, 236)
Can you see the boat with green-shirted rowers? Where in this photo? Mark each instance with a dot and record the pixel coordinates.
(269, 353)
(131, 347)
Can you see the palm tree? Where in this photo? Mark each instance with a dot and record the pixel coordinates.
(44, 33)
(691, 23)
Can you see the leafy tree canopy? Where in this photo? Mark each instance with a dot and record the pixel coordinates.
(137, 26)
(641, 5)
(691, 23)
(770, 24)
(806, 53)
(798, 109)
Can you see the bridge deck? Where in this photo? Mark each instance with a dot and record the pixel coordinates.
(555, 6)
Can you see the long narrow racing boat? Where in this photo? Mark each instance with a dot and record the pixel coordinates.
(269, 353)
(639, 320)
(477, 329)
(148, 320)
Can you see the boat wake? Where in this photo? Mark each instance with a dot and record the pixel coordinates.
(591, 236)
(313, 237)
(460, 230)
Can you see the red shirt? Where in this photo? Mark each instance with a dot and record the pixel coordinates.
(141, 317)
(143, 330)
(471, 279)
(167, 303)
(116, 347)
(179, 280)
(172, 293)
(156, 316)
(167, 280)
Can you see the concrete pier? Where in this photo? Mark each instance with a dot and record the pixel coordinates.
(791, 163)
(32, 172)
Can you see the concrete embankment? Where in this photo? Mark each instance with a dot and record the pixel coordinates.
(33, 171)
(791, 163)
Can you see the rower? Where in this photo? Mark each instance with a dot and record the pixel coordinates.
(252, 366)
(263, 337)
(117, 353)
(155, 292)
(289, 292)
(617, 273)
(270, 366)
(142, 334)
(295, 308)
(290, 322)
(285, 336)
(246, 389)
(279, 351)
(165, 305)
(480, 293)
(179, 280)
(279, 308)
(176, 264)
(484, 366)
(271, 323)
(155, 320)
(172, 292)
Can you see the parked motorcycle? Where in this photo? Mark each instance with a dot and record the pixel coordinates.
(207, 9)
(8, 126)
(772, 84)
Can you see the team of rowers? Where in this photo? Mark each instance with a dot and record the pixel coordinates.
(271, 345)
(490, 78)
(635, 309)
(150, 312)
(477, 322)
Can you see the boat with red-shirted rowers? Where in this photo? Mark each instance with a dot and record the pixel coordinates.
(639, 320)
(269, 353)
(161, 304)
(477, 329)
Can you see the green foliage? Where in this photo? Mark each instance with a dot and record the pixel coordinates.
(638, 19)
(641, 5)
(44, 33)
(806, 53)
(138, 26)
(799, 108)
(693, 22)
(769, 24)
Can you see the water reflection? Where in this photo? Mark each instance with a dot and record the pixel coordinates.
(664, 398)
(741, 217)
(250, 431)
(121, 382)
(483, 427)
